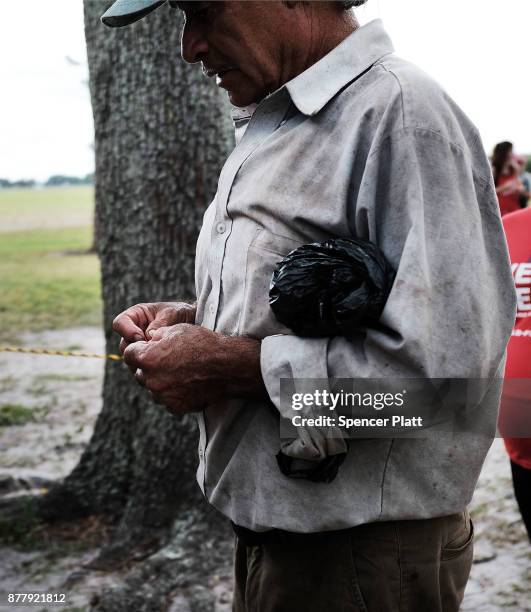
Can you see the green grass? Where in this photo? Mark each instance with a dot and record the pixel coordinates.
(15, 414)
(34, 208)
(18, 414)
(47, 279)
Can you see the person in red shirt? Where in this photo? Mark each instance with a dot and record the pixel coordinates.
(515, 414)
(509, 187)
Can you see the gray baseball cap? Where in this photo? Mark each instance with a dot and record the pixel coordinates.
(124, 12)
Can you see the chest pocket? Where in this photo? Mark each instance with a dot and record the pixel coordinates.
(265, 251)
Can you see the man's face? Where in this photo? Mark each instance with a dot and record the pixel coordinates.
(241, 43)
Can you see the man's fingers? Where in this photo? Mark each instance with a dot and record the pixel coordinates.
(166, 318)
(166, 332)
(172, 315)
(137, 322)
(156, 325)
(123, 345)
(140, 377)
(126, 325)
(160, 333)
(135, 355)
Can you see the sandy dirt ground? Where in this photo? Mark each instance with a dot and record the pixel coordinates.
(65, 396)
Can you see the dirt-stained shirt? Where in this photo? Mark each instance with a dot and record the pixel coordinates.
(361, 144)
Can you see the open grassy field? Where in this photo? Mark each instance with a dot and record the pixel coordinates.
(47, 280)
(22, 209)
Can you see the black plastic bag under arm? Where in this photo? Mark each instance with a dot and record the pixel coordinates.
(331, 288)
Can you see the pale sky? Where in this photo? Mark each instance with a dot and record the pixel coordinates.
(477, 49)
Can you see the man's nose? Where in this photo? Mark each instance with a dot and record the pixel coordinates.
(194, 45)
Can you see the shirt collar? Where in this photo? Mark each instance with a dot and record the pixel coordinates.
(319, 83)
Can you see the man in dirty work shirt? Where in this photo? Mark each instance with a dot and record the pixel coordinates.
(337, 137)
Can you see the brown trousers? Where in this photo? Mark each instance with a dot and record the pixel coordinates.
(395, 566)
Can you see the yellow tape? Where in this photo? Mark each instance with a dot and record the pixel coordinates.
(33, 351)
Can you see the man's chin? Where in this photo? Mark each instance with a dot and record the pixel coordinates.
(242, 99)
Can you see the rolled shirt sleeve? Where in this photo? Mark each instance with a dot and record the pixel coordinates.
(430, 205)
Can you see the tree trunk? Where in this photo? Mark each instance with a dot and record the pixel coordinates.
(162, 135)
(96, 222)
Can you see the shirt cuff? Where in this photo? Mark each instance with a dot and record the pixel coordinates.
(303, 360)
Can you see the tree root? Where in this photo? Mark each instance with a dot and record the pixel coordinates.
(120, 553)
(61, 504)
(181, 577)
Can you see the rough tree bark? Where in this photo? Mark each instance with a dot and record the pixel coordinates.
(162, 134)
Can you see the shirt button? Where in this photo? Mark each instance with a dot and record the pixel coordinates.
(211, 309)
(201, 453)
(220, 227)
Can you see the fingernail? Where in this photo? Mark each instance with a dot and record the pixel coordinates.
(138, 338)
(151, 333)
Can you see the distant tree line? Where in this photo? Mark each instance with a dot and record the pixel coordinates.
(6, 184)
(57, 180)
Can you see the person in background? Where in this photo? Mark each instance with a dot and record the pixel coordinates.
(515, 413)
(525, 179)
(506, 178)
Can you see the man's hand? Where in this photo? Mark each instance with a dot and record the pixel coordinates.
(141, 321)
(186, 367)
